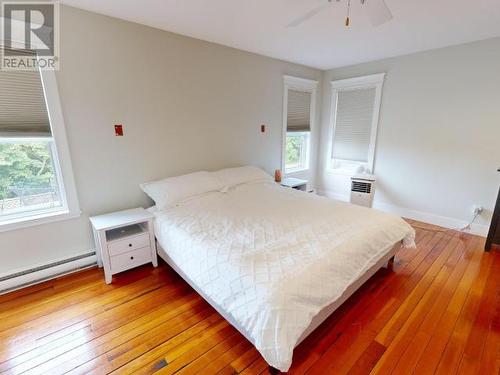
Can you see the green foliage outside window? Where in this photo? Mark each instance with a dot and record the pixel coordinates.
(25, 168)
(293, 150)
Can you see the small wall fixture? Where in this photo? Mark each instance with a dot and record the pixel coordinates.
(119, 130)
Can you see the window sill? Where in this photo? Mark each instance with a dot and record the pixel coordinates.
(37, 219)
(294, 171)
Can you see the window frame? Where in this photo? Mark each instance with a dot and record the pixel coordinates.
(303, 85)
(63, 169)
(375, 81)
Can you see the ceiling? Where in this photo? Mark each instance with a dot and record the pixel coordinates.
(322, 42)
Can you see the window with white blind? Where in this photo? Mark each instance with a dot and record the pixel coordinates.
(355, 112)
(34, 184)
(298, 115)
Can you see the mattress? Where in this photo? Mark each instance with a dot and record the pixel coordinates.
(273, 258)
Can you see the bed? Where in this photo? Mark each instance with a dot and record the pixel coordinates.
(275, 262)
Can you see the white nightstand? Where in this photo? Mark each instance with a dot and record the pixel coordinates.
(124, 240)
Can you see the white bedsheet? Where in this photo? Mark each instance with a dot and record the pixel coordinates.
(273, 257)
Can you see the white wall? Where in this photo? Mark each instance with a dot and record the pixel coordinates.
(185, 105)
(438, 145)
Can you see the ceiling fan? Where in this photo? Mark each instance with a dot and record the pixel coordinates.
(378, 12)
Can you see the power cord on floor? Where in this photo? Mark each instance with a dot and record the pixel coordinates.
(476, 213)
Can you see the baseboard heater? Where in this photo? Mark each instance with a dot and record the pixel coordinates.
(35, 275)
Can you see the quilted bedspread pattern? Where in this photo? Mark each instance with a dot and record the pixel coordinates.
(272, 257)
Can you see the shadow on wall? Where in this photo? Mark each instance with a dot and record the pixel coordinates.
(385, 195)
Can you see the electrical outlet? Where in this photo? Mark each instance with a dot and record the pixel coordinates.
(477, 210)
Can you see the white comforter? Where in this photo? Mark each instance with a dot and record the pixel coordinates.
(273, 257)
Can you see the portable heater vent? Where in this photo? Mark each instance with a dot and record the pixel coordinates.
(362, 190)
(361, 187)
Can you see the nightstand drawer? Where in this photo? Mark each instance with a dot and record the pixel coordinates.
(131, 259)
(128, 244)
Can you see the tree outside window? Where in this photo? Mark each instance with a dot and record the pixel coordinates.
(27, 178)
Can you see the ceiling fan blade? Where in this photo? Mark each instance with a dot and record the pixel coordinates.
(296, 22)
(378, 12)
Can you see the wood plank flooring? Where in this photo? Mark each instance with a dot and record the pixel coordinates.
(436, 312)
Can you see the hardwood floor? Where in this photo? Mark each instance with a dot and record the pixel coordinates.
(438, 311)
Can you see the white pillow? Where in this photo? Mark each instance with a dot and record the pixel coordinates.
(241, 175)
(170, 191)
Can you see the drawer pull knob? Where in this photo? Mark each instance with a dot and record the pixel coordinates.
(129, 245)
(132, 258)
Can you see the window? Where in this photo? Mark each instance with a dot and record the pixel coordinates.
(297, 151)
(356, 105)
(28, 181)
(298, 115)
(32, 187)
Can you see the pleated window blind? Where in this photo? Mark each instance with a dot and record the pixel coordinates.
(353, 125)
(23, 111)
(299, 111)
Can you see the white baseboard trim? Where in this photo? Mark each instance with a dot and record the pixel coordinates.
(426, 217)
(29, 276)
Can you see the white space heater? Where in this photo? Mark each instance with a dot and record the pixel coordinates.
(362, 189)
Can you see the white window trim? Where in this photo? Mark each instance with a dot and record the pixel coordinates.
(371, 81)
(304, 85)
(62, 162)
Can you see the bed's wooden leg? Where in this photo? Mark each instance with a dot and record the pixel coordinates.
(390, 264)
